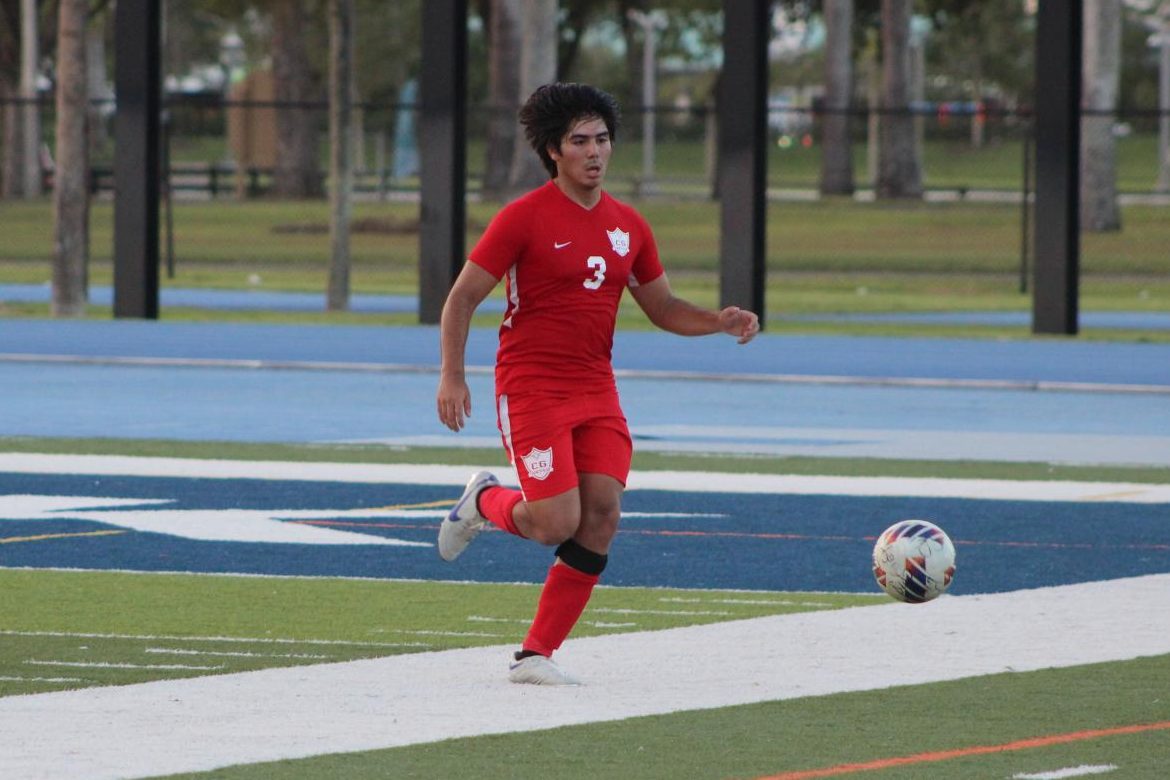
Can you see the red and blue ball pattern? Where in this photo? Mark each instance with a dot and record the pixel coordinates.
(914, 561)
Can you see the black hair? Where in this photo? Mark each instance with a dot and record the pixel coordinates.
(553, 109)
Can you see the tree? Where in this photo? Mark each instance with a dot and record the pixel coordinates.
(504, 44)
(633, 38)
(538, 65)
(1101, 81)
(837, 147)
(340, 150)
(899, 164)
(985, 43)
(71, 178)
(19, 158)
(298, 173)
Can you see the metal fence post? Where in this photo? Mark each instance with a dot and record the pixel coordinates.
(137, 78)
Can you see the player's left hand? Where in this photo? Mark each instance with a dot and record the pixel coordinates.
(740, 323)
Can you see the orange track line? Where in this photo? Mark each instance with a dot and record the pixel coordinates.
(766, 535)
(976, 750)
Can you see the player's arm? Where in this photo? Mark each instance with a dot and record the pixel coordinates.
(454, 398)
(673, 314)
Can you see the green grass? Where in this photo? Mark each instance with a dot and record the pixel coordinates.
(946, 162)
(131, 620)
(650, 461)
(759, 740)
(240, 239)
(50, 621)
(826, 257)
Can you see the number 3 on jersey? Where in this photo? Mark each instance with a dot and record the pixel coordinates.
(598, 266)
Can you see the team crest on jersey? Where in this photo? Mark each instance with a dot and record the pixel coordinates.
(539, 463)
(619, 240)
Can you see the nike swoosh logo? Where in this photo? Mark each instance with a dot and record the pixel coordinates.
(559, 245)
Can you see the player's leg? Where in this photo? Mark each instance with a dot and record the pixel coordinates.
(539, 442)
(603, 447)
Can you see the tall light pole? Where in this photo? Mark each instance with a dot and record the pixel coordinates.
(650, 22)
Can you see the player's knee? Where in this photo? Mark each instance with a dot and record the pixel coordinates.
(600, 522)
(556, 528)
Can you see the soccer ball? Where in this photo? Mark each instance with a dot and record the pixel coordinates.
(914, 561)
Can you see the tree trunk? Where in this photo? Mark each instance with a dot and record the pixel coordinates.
(836, 145)
(11, 170)
(298, 173)
(899, 162)
(538, 66)
(504, 42)
(340, 149)
(70, 190)
(98, 87)
(30, 134)
(1102, 70)
(633, 40)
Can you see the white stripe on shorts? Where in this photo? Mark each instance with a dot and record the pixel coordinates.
(506, 426)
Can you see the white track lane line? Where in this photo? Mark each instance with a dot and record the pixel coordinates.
(202, 723)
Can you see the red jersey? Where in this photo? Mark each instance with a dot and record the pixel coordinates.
(566, 269)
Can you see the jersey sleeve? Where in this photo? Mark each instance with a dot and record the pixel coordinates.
(501, 244)
(646, 267)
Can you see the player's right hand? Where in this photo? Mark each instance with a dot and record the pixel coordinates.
(453, 402)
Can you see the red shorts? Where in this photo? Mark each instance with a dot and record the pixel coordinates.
(551, 439)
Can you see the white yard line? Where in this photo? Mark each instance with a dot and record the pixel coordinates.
(1072, 771)
(203, 723)
(691, 481)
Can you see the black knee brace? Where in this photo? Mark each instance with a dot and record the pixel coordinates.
(581, 559)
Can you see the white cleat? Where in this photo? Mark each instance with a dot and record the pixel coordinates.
(538, 670)
(464, 522)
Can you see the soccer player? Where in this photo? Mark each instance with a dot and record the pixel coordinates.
(567, 251)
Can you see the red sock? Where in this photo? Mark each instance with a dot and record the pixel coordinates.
(496, 504)
(566, 592)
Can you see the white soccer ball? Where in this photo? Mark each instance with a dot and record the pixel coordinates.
(914, 561)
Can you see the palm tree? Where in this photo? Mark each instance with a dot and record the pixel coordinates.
(899, 163)
(71, 185)
(538, 65)
(504, 43)
(837, 157)
(298, 173)
(340, 150)
(1101, 73)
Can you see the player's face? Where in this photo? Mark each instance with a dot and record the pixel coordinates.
(583, 155)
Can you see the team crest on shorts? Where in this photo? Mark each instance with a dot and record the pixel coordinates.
(539, 463)
(619, 240)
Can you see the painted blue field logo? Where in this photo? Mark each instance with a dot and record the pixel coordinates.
(271, 526)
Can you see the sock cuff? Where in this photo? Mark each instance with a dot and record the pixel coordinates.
(497, 505)
(582, 559)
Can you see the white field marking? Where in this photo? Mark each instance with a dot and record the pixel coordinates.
(240, 639)
(1072, 771)
(688, 481)
(200, 724)
(750, 602)
(110, 665)
(42, 679)
(425, 632)
(523, 621)
(486, 619)
(238, 654)
(628, 611)
(222, 525)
